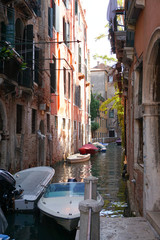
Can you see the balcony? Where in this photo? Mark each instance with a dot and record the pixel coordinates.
(117, 31)
(25, 79)
(133, 10)
(9, 70)
(26, 7)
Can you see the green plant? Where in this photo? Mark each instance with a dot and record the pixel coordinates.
(94, 127)
(6, 53)
(94, 106)
(118, 105)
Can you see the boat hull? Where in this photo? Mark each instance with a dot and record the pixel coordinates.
(88, 149)
(68, 224)
(33, 181)
(77, 158)
(61, 202)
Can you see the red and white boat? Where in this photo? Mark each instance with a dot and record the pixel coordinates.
(88, 148)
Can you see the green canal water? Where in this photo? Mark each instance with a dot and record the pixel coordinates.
(107, 167)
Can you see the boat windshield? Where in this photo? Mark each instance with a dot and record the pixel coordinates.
(64, 189)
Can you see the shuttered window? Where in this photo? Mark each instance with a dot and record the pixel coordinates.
(76, 7)
(79, 60)
(8, 31)
(78, 96)
(53, 84)
(64, 30)
(37, 65)
(34, 121)
(54, 13)
(67, 34)
(65, 81)
(28, 55)
(19, 119)
(50, 22)
(69, 85)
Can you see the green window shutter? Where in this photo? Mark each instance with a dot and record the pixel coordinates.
(50, 22)
(8, 31)
(76, 7)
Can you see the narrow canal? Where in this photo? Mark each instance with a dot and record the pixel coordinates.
(107, 167)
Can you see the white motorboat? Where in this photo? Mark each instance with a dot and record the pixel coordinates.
(60, 201)
(33, 181)
(77, 158)
(100, 146)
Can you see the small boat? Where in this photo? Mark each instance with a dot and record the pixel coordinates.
(118, 141)
(4, 237)
(100, 146)
(60, 201)
(77, 158)
(88, 148)
(33, 181)
(104, 144)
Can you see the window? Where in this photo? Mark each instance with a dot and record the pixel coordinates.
(110, 79)
(69, 124)
(33, 121)
(54, 13)
(79, 60)
(48, 123)
(64, 81)
(75, 125)
(111, 113)
(64, 30)
(140, 145)
(64, 123)
(111, 133)
(53, 84)
(78, 96)
(56, 122)
(140, 84)
(50, 22)
(8, 30)
(69, 85)
(38, 52)
(67, 34)
(79, 130)
(19, 119)
(76, 7)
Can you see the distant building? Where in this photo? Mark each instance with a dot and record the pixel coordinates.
(103, 86)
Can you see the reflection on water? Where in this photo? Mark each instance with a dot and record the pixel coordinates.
(106, 167)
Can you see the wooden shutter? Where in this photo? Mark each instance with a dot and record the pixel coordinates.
(8, 31)
(29, 45)
(53, 77)
(50, 22)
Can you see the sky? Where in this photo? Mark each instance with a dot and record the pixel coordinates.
(96, 20)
